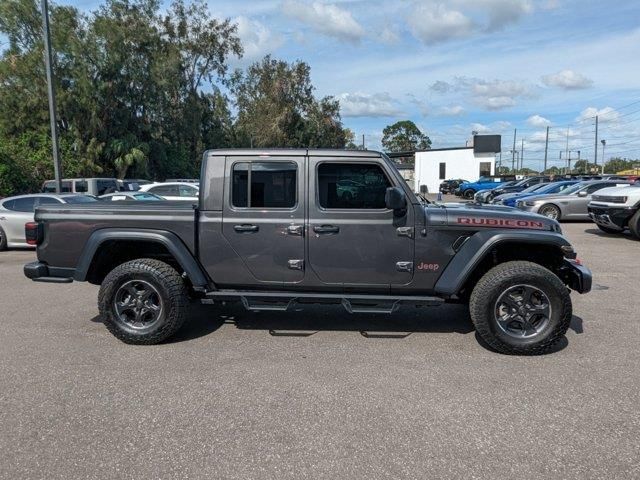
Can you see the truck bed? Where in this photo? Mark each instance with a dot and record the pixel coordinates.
(68, 227)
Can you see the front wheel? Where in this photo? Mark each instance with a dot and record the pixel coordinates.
(468, 194)
(520, 308)
(143, 302)
(550, 210)
(634, 225)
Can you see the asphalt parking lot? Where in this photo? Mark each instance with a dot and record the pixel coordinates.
(234, 397)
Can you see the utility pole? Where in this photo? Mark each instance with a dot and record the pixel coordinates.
(546, 150)
(604, 142)
(513, 151)
(363, 142)
(595, 149)
(567, 147)
(57, 169)
(522, 155)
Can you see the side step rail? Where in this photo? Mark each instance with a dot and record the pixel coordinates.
(256, 301)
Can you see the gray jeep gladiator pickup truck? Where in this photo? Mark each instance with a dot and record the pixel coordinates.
(276, 228)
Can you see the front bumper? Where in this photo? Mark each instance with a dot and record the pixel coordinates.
(612, 217)
(576, 276)
(41, 272)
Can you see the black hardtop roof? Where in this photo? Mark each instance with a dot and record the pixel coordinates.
(292, 152)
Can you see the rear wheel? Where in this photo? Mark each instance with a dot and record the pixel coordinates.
(520, 308)
(143, 301)
(3, 240)
(634, 225)
(468, 194)
(550, 210)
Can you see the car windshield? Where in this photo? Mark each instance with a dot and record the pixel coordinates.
(147, 196)
(80, 199)
(573, 188)
(533, 188)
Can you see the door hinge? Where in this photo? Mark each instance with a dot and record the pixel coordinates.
(405, 232)
(404, 266)
(296, 264)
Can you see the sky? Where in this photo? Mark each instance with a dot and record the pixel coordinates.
(458, 66)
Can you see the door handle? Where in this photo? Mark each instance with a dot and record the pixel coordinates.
(246, 228)
(326, 229)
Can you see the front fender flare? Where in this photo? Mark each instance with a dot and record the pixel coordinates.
(169, 240)
(478, 246)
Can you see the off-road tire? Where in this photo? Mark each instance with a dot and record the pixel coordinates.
(3, 240)
(468, 193)
(634, 225)
(170, 287)
(482, 306)
(608, 229)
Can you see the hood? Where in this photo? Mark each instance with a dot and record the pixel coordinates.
(613, 191)
(478, 216)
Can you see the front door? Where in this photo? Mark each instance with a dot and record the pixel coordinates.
(263, 217)
(353, 239)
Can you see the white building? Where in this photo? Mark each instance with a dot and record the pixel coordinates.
(434, 166)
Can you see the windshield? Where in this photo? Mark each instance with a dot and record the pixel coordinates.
(146, 196)
(533, 188)
(80, 199)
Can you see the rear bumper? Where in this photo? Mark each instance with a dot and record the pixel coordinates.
(41, 272)
(577, 277)
(612, 217)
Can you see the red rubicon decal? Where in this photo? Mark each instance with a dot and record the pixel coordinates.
(502, 222)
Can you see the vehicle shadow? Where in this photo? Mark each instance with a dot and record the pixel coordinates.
(626, 235)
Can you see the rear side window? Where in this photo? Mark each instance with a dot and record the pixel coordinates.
(351, 186)
(80, 199)
(166, 190)
(597, 186)
(27, 204)
(82, 186)
(264, 185)
(187, 191)
(106, 186)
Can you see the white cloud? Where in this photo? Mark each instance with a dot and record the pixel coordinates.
(325, 18)
(496, 103)
(567, 80)
(489, 94)
(605, 115)
(435, 23)
(500, 12)
(367, 105)
(452, 111)
(389, 36)
(257, 39)
(538, 122)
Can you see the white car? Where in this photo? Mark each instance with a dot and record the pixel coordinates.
(617, 209)
(181, 191)
(16, 211)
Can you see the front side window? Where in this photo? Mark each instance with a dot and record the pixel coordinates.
(106, 186)
(165, 190)
(264, 185)
(351, 186)
(82, 186)
(187, 191)
(41, 201)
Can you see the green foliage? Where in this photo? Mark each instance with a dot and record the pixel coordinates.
(616, 164)
(404, 136)
(141, 92)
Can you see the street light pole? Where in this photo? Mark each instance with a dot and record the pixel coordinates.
(604, 142)
(57, 169)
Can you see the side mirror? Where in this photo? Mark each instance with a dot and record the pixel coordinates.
(583, 193)
(395, 200)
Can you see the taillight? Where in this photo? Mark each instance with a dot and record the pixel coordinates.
(32, 232)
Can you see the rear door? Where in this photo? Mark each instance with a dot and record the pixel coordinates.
(263, 216)
(353, 239)
(19, 212)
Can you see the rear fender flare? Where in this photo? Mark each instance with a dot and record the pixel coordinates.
(479, 245)
(169, 240)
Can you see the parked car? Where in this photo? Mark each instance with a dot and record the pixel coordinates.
(182, 180)
(18, 210)
(469, 189)
(617, 209)
(485, 196)
(136, 196)
(549, 188)
(90, 186)
(272, 233)
(570, 204)
(449, 186)
(180, 191)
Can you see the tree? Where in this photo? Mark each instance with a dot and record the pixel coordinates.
(277, 108)
(350, 140)
(404, 136)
